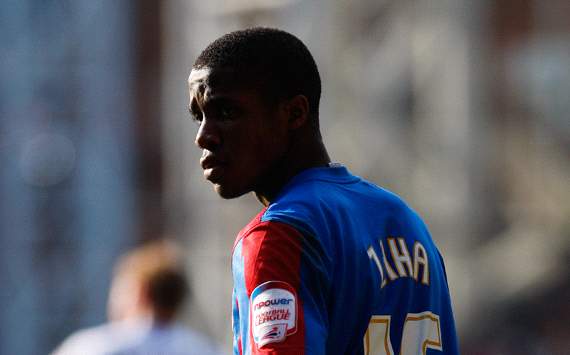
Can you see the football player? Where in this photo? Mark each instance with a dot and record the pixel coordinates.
(333, 264)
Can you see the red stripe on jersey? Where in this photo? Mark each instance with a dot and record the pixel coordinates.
(272, 252)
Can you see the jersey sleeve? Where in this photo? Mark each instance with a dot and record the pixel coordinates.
(285, 311)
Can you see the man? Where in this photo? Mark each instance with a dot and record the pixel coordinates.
(333, 264)
(147, 293)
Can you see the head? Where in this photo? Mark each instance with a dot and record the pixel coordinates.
(251, 93)
(148, 282)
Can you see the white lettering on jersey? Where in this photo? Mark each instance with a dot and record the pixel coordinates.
(415, 266)
(421, 258)
(401, 257)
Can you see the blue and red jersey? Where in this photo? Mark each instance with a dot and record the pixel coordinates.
(337, 265)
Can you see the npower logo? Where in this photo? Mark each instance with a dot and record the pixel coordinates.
(274, 302)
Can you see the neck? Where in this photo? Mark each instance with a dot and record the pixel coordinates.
(300, 157)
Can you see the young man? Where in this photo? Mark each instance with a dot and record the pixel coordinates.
(333, 264)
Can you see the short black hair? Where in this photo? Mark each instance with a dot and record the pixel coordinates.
(279, 59)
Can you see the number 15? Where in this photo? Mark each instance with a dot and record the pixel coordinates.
(421, 331)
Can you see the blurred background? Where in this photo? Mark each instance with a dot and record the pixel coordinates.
(461, 107)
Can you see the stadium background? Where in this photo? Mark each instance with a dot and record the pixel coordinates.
(462, 107)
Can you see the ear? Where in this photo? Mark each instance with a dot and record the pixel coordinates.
(297, 111)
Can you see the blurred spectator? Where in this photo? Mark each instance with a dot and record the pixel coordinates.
(148, 290)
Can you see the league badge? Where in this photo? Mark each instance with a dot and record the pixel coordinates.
(273, 312)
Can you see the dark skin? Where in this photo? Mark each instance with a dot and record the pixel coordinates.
(249, 142)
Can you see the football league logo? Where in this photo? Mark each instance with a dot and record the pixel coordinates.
(272, 334)
(273, 312)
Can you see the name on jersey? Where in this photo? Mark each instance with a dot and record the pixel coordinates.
(273, 312)
(394, 259)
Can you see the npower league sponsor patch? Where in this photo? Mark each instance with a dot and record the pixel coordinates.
(273, 312)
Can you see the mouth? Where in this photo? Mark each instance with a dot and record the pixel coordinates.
(213, 168)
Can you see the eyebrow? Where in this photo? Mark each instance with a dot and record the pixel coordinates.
(194, 108)
(215, 101)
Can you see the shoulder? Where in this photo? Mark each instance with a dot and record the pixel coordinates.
(95, 340)
(323, 212)
(266, 238)
(328, 186)
(173, 339)
(305, 200)
(311, 202)
(192, 339)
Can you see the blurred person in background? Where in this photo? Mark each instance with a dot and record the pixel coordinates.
(148, 291)
(333, 264)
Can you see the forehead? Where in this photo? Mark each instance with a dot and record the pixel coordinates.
(204, 82)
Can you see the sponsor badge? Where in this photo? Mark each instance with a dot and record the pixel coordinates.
(273, 312)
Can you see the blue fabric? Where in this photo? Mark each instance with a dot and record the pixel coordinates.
(240, 324)
(347, 222)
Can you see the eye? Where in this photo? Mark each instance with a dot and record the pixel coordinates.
(196, 116)
(227, 112)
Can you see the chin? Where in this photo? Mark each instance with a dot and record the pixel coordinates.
(227, 192)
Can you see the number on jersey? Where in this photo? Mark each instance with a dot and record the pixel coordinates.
(421, 331)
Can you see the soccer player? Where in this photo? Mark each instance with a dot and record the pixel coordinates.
(332, 264)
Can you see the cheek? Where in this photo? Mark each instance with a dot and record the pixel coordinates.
(255, 146)
(270, 149)
(274, 138)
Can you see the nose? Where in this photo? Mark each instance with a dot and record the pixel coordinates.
(208, 136)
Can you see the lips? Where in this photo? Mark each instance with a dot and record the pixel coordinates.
(213, 167)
